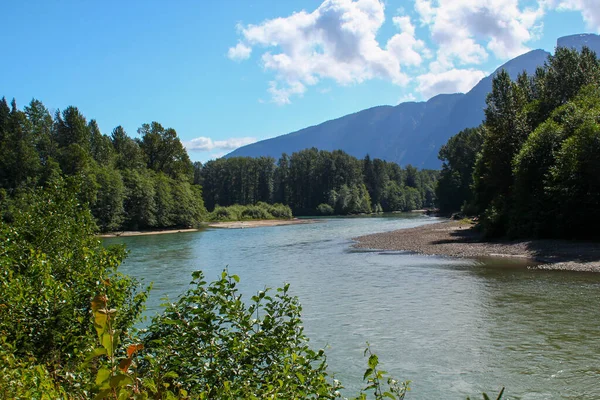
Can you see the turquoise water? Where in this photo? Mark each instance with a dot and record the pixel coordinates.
(454, 327)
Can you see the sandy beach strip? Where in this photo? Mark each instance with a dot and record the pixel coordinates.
(145, 233)
(457, 239)
(260, 223)
(226, 225)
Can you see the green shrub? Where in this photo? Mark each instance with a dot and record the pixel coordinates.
(280, 211)
(255, 212)
(325, 209)
(228, 348)
(225, 214)
(260, 210)
(52, 266)
(23, 378)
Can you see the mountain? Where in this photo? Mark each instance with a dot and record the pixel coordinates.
(409, 133)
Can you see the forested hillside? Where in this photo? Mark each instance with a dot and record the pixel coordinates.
(532, 168)
(312, 181)
(141, 183)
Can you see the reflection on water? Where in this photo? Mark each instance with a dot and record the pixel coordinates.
(454, 327)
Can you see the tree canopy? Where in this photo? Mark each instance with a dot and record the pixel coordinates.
(311, 181)
(530, 169)
(141, 183)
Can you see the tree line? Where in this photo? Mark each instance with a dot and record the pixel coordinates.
(129, 184)
(531, 168)
(312, 181)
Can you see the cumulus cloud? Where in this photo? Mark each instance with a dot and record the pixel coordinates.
(239, 52)
(466, 30)
(452, 81)
(336, 41)
(207, 144)
(405, 46)
(590, 10)
(281, 95)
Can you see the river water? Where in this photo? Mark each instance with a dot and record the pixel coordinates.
(453, 327)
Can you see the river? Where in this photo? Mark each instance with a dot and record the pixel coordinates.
(454, 327)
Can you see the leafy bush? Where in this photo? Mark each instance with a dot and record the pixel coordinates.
(227, 348)
(258, 211)
(224, 214)
(255, 212)
(23, 378)
(52, 265)
(325, 209)
(279, 211)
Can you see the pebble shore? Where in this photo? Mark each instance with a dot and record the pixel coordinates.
(458, 239)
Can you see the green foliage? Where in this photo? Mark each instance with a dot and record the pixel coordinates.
(108, 205)
(486, 397)
(458, 157)
(51, 267)
(228, 348)
(129, 184)
(260, 210)
(311, 177)
(325, 209)
(23, 378)
(165, 152)
(379, 383)
(255, 212)
(577, 182)
(114, 378)
(278, 210)
(533, 175)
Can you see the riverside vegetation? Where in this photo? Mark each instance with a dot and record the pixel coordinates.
(322, 182)
(531, 169)
(67, 323)
(150, 183)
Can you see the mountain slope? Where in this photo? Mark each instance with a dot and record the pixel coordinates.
(409, 133)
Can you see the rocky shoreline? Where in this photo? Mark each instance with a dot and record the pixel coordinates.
(457, 239)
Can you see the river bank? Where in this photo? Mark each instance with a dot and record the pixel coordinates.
(145, 233)
(227, 225)
(457, 239)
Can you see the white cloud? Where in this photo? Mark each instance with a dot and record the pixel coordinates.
(282, 96)
(405, 46)
(466, 30)
(239, 52)
(590, 10)
(207, 144)
(452, 81)
(407, 98)
(336, 41)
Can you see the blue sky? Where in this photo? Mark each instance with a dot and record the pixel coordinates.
(226, 73)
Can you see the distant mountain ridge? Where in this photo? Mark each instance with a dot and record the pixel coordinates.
(411, 132)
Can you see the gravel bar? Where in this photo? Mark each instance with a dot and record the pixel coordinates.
(458, 239)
